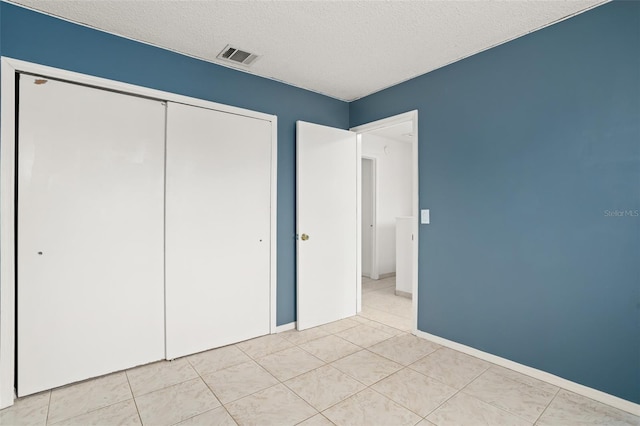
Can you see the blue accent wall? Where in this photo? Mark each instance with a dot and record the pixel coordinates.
(42, 39)
(529, 158)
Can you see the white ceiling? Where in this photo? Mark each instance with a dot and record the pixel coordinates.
(344, 49)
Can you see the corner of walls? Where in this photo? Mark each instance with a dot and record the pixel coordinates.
(530, 163)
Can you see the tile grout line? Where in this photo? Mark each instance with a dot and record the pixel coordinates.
(210, 390)
(433, 378)
(548, 405)
(519, 383)
(46, 419)
(135, 403)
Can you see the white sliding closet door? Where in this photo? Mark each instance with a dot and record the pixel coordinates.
(217, 229)
(90, 233)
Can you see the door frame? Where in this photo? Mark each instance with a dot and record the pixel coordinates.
(374, 214)
(9, 67)
(376, 125)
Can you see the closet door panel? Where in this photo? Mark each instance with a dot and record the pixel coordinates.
(90, 297)
(217, 229)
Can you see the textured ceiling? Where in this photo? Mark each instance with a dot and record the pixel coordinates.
(344, 49)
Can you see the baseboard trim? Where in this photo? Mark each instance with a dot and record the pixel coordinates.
(605, 398)
(285, 327)
(387, 275)
(403, 294)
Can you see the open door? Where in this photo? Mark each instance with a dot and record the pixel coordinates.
(327, 208)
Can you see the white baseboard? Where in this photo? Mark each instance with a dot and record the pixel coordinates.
(285, 327)
(387, 275)
(403, 294)
(586, 391)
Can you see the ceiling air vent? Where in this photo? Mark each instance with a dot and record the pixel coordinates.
(237, 56)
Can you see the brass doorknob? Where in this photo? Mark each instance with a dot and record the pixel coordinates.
(304, 237)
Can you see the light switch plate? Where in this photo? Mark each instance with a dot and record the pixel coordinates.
(424, 216)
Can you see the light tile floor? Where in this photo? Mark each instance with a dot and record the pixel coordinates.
(364, 370)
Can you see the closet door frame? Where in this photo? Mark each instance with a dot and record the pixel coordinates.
(9, 67)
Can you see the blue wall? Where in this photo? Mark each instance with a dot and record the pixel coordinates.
(39, 38)
(522, 150)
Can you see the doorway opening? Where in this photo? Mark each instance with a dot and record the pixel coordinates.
(388, 220)
(368, 215)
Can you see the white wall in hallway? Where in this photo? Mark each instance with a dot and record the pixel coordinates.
(393, 192)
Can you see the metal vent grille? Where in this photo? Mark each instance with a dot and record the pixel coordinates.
(237, 56)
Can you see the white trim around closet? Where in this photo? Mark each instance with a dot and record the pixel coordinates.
(8, 68)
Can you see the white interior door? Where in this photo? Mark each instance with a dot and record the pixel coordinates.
(367, 216)
(217, 229)
(327, 209)
(90, 233)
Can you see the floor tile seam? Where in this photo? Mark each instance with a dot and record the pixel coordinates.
(89, 380)
(540, 388)
(224, 404)
(269, 387)
(495, 406)
(329, 362)
(91, 411)
(594, 405)
(343, 399)
(306, 341)
(199, 414)
(521, 383)
(335, 333)
(270, 353)
(201, 379)
(407, 365)
(324, 364)
(196, 369)
(168, 386)
(335, 403)
(352, 377)
(386, 325)
(200, 373)
(135, 403)
(304, 400)
(308, 403)
(317, 412)
(442, 403)
(547, 407)
(474, 379)
(393, 400)
(46, 418)
(231, 415)
(220, 400)
(426, 355)
(434, 378)
(208, 387)
(361, 382)
(366, 347)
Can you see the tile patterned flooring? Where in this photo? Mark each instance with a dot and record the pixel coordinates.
(364, 370)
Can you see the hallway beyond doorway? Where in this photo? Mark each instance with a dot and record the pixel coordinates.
(380, 303)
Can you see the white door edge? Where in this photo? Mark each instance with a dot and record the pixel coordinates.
(8, 68)
(387, 122)
(374, 218)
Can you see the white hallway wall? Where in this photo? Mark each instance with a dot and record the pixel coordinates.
(394, 193)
